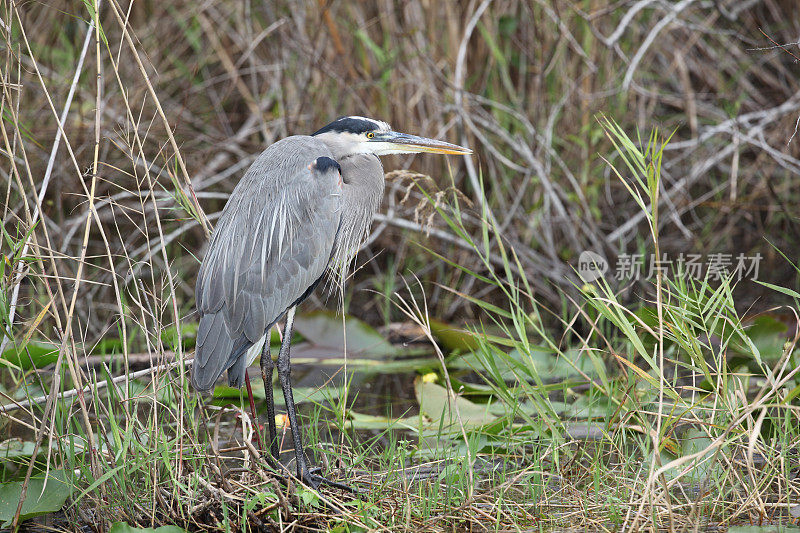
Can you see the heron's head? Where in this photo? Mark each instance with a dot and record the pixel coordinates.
(359, 135)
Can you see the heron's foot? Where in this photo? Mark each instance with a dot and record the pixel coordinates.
(315, 480)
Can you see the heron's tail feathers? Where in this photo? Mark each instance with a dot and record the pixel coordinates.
(243, 354)
(212, 355)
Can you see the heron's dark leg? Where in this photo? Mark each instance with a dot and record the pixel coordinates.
(266, 374)
(284, 375)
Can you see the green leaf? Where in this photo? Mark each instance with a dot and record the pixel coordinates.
(364, 421)
(763, 529)
(169, 335)
(224, 394)
(541, 361)
(768, 336)
(121, 527)
(433, 401)
(695, 441)
(784, 290)
(324, 328)
(454, 338)
(108, 346)
(581, 407)
(794, 393)
(16, 447)
(42, 498)
(308, 496)
(33, 355)
(766, 326)
(571, 363)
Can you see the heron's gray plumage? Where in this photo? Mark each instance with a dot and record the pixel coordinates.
(273, 241)
(303, 207)
(362, 196)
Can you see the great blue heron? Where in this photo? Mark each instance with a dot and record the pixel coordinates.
(304, 206)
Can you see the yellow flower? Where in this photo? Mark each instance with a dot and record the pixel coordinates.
(430, 377)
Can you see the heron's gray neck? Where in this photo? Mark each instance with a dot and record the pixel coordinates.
(362, 192)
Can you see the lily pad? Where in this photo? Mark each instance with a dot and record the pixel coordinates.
(582, 407)
(453, 338)
(763, 529)
(540, 364)
(41, 498)
(436, 403)
(324, 328)
(768, 336)
(224, 394)
(508, 366)
(695, 441)
(572, 363)
(16, 447)
(365, 421)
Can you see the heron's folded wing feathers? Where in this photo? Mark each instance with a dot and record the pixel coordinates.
(272, 242)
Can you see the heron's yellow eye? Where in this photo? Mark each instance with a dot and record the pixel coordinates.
(370, 135)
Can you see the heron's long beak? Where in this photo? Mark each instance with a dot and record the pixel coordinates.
(403, 143)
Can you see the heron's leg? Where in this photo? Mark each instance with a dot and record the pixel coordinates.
(253, 409)
(284, 375)
(266, 374)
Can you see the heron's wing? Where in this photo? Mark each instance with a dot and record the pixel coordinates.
(272, 242)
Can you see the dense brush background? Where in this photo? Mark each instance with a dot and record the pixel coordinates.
(172, 101)
(521, 82)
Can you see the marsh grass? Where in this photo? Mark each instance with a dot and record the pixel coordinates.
(682, 434)
(568, 405)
